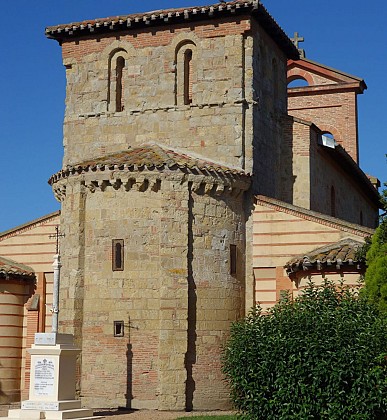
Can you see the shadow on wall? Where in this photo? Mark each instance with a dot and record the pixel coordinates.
(3, 396)
(190, 356)
(129, 372)
(287, 178)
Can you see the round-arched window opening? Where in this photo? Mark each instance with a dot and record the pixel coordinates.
(298, 82)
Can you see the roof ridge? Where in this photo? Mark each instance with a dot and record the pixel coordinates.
(26, 225)
(316, 216)
(337, 244)
(351, 76)
(176, 15)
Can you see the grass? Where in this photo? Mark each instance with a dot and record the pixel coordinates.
(209, 418)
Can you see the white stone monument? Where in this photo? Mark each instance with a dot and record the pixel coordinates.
(53, 366)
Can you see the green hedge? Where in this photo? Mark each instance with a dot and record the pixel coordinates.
(321, 356)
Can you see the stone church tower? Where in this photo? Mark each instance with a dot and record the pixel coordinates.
(173, 121)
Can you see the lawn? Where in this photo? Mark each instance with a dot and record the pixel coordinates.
(231, 417)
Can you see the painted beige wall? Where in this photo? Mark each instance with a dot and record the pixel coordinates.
(282, 232)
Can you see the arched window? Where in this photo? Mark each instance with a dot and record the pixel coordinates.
(333, 201)
(185, 72)
(120, 64)
(187, 77)
(118, 254)
(116, 91)
(297, 82)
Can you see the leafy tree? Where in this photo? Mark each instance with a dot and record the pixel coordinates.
(376, 274)
(321, 356)
(376, 256)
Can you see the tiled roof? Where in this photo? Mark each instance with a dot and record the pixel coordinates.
(12, 268)
(173, 16)
(149, 156)
(333, 256)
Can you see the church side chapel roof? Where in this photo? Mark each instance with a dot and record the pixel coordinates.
(12, 268)
(332, 256)
(150, 156)
(172, 16)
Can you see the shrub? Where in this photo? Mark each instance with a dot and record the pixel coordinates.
(321, 356)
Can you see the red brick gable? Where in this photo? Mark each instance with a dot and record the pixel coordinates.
(315, 73)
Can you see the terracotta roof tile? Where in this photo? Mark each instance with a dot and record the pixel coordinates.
(12, 268)
(336, 254)
(172, 16)
(150, 156)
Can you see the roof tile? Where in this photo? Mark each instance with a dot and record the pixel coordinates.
(338, 253)
(10, 267)
(149, 156)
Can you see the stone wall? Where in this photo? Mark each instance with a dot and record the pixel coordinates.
(151, 110)
(268, 91)
(175, 295)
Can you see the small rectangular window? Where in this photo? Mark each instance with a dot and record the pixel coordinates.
(233, 260)
(118, 254)
(118, 328)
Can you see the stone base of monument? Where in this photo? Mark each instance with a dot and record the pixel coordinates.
(52, 382)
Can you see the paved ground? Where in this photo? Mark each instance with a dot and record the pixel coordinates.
(147, 415)
(157, 415)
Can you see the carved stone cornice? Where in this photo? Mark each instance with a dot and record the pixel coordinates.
(152, 167)
(153, 181)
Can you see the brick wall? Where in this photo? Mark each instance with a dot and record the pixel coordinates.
(14, 294)
(304, 162)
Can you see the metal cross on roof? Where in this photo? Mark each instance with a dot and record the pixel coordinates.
(296, 40)
(56, 236)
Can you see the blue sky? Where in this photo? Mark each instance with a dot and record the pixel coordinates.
(343, 34)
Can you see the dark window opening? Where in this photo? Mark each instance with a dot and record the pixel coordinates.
(119, 88)
(233, 260)
(333, 201)
(188, 77)
(361, 218)
(118, 254)
(118, 328)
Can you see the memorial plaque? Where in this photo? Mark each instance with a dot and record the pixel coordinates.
(40, 405)
(44, 381)
(48, 339)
